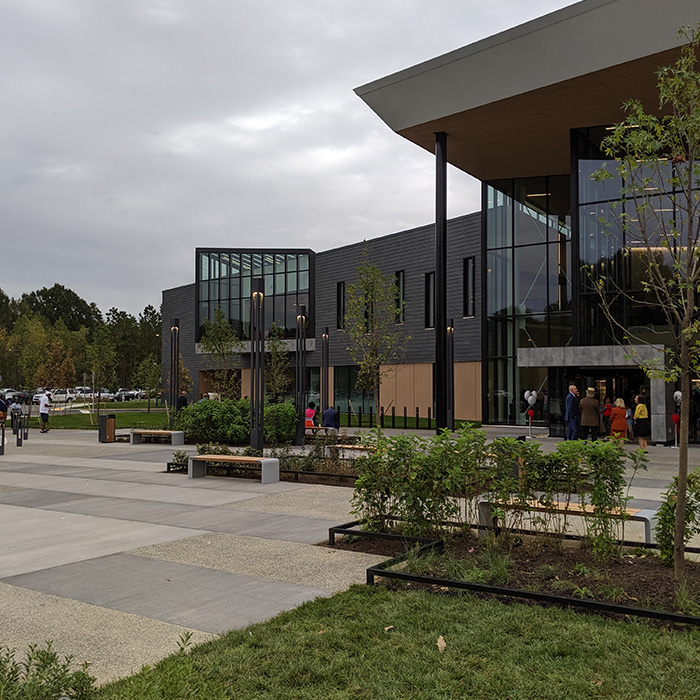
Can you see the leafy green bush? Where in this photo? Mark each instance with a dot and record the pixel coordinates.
(226, 421)
(280, 423)
(43, 676)
(666, 522)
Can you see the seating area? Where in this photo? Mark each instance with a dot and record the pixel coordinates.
(269, 468)
(176, 437)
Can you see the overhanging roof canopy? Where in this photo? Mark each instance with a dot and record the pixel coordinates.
(508, 102)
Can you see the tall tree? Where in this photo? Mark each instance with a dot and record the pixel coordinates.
(658, 165)
(370, 322)
(124, 333)
(58, 368)
(29, 340)
(223, 350)
(60, 302)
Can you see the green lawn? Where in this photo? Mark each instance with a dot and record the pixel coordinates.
(81, 421)
(375, 644)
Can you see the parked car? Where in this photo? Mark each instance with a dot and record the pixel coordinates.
(21, 396)
(63, 396)
(39, 393)
(104, 395)
(124, 395)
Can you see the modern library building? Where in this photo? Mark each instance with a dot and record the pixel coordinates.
(525, 112)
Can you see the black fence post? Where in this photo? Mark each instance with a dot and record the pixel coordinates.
(371, 417)
(428, 417)
(359, 417)
(393, 416)
(349, 416)
(382, 418)
(405, 418)
(417, 418)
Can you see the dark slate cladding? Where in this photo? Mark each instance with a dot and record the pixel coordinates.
(414, 252)
(179, 303)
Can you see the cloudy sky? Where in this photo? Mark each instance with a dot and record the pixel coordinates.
(133, 131)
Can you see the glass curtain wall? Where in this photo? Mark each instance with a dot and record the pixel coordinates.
(224, 280)
(613, 255)
(528, 287)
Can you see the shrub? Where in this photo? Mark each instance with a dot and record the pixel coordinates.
(43, 676)
(226, 421)
(666, 522)
(280, 423)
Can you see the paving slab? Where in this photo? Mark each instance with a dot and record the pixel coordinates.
(115, 643)
(190, 596)
(292, 562)
(33, 539)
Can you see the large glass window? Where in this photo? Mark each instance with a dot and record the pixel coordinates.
(224, 280)
(469, 287)
(399, 281)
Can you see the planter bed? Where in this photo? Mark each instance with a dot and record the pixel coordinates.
(637, 584)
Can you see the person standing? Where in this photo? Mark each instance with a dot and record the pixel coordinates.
(572, 413)
(618, 420)
(181, 401)
(642, 427)
(590, 415)
(3, 409)
(606, 412)
(310, 415)
(44, 403)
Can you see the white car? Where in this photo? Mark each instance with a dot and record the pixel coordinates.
(62, 396)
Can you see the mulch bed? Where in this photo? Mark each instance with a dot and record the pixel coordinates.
(637, 579)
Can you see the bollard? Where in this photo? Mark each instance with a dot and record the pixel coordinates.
(19, 431)
(2, 438)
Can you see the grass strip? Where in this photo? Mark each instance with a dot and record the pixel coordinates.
(373, 643)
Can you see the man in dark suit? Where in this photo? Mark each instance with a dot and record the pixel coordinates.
(330, 418)
(572, 413)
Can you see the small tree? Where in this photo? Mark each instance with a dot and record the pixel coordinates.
(223, 348)
(278, 363)
(370, 322)
(658, 163)
(148, 376)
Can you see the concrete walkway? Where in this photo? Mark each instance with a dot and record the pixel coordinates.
(113, 559)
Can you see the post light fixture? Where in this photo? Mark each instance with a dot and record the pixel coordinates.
(300, 375)
(257, 362)
(174, 367)
(450, 376)
(325, 372)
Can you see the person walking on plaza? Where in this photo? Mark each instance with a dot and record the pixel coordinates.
(642, 427)
(572, 413)
(618, 420)
(15, 411)
(590, 415)
(44, 403)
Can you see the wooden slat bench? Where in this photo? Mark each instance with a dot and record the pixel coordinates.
(177, 437)
(269, 467)
(645, 515)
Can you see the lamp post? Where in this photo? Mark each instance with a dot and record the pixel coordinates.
(300, 375)
(450, 377)
(174, 365)
(257, 363)
(325, 383)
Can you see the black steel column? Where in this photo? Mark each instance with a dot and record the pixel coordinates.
(257, 363)
(300, 378)
(442, 410)
(450, 374)
(325, 374)
(174, 368)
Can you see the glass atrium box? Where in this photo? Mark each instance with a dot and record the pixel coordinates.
(223, 280)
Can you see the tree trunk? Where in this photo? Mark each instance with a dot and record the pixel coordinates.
(679, 532)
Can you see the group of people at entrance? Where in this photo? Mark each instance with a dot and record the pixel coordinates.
(586, 418)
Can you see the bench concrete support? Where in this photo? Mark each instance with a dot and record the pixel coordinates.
(269, 468)
(647, 516)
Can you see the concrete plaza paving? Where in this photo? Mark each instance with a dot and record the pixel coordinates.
(113, 559)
